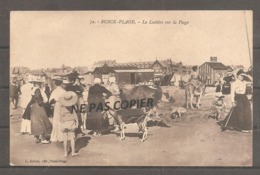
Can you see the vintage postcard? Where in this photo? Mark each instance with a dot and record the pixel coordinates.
(131, 88)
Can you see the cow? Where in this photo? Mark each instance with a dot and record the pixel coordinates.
(140, 92)
(191, 91)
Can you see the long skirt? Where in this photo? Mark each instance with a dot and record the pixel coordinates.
(26, 124)
(56, 134)
(79, 114)
(241, 117)
(96, 121)
(40, 123)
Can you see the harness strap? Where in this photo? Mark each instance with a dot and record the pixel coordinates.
(109, 111)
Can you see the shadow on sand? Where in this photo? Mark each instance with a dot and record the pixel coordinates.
(157, 123)
(81, 143)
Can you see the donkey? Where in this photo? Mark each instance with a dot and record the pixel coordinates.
(191, 91)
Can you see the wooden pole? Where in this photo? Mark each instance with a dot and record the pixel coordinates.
(231, 111)
(248, 44)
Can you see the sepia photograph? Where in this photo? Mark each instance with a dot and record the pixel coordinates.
(131, 88)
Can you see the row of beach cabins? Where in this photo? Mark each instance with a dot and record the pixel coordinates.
(136, 72)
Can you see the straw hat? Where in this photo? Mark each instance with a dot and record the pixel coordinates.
(30, 78)
(240, 71)
(69, 98)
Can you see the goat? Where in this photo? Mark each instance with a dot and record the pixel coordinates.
(127, 116)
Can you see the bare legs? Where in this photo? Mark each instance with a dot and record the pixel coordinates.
(69, 136)
(65, 143)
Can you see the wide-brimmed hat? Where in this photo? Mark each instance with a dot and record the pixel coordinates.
(69, 98)
(30, 78)
(240, 71)
(57, 79)
(38, 80)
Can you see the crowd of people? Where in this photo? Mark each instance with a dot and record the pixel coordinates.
(238, 88)
(47, 113)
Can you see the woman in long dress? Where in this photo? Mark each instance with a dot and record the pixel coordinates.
(40, 123)
(95, 120)
(240, 117)
(56, 134)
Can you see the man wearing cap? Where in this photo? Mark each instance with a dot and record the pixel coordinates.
(96, 97)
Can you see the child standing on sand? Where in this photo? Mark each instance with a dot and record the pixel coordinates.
(69, 120)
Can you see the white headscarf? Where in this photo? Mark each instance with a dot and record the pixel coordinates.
(97, 81)
(112, 79)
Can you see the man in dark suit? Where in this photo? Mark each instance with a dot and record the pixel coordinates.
(14, 93)
(74, 86)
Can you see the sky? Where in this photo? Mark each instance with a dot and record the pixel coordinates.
(47, 39)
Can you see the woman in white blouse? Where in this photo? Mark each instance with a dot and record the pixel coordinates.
(241, 117)
(56, 134)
